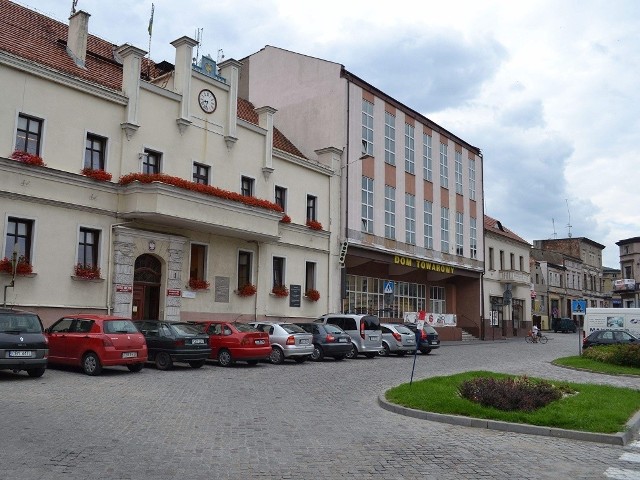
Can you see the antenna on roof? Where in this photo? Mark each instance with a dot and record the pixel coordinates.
(553, 221)
(73, 6)
(198, 39)
(569, 223)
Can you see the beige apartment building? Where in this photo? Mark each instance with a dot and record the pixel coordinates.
(164, 194)
(507, 282)
(411, 215)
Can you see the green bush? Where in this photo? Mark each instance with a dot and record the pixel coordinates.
(510, 393)
(627, 355)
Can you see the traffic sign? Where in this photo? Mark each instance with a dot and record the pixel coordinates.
(388, 286)
(578, 307)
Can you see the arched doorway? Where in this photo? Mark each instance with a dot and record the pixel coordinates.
(147, 277)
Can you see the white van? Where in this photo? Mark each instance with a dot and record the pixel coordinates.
(612, 318)
(364, 330)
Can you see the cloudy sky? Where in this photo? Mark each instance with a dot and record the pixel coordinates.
(548, 90)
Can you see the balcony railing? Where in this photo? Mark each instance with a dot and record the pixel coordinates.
(515, 276)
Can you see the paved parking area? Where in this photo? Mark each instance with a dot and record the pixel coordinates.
(307, 421)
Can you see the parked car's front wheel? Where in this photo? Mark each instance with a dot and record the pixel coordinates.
(224, 358)
(135, 367)
(317, 354)
(36, 372)
(91, 364)
(353, 353)
(163, 361)
(277, 356)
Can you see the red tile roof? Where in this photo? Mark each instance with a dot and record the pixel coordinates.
(35, 37)
(495, 226)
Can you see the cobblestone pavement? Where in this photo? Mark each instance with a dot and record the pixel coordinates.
(293, 421)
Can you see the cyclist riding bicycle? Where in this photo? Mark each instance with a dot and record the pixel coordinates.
(535, 333)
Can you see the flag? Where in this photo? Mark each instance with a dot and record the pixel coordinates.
(151, 20)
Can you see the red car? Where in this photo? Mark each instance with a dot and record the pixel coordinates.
(231, 341)
(96, 341)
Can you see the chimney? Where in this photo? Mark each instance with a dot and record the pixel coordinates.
(77, 37)
(182, 80)
(265, 120)
(230, 69)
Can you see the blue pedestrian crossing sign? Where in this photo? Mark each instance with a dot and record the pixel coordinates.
(578, 307)
(388, 286)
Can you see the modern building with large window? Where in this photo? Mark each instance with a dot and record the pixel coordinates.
(411, 216)
(152, 190)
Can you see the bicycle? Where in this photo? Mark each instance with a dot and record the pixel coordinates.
(540, 339)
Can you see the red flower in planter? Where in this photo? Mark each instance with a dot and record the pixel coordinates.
(199, 188)
(285, 219)
(100, 175)
(246, 290)
(280, 291)
(28, 158)
(23, 267)
(312, 294)
(195, 284)
(87, 271)
(314, 225)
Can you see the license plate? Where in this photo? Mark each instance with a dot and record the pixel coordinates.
(410, 342)
(304, 341)
(197, 341)
(342, 340)
(129, 354)
(20, 353)
(259, 342)
(373, 337)
(434, 343)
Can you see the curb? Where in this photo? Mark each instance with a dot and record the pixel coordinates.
(620, 438)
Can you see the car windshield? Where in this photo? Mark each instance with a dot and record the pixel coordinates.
(291, 328)
(119, 326)
(333, 329)
(186, 329)
(245, 327)
(20, 323)
(430, 329)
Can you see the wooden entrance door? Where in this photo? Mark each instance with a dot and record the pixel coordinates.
(147, 278)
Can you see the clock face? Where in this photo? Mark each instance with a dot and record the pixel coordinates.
(207, 101)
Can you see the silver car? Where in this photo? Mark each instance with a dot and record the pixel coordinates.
(364, 331)
(287, 341)
(397, 339)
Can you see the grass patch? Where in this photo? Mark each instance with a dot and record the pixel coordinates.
(596, 366)
(595, 408)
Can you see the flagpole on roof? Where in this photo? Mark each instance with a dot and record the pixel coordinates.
(150, 29)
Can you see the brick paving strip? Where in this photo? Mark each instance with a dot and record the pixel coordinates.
(620, 438)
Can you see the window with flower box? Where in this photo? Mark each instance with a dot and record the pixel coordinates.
(20, 232)
(29, 134)
(281, 197)
(278, 271)
(88, 249)
(244, 268)
(247, 186)
(95, 152)
(312, 205)
(310, 276)
(198, 263)
(151, 162)
(200, 173)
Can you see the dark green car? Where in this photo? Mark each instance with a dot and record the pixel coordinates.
(563, 325)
